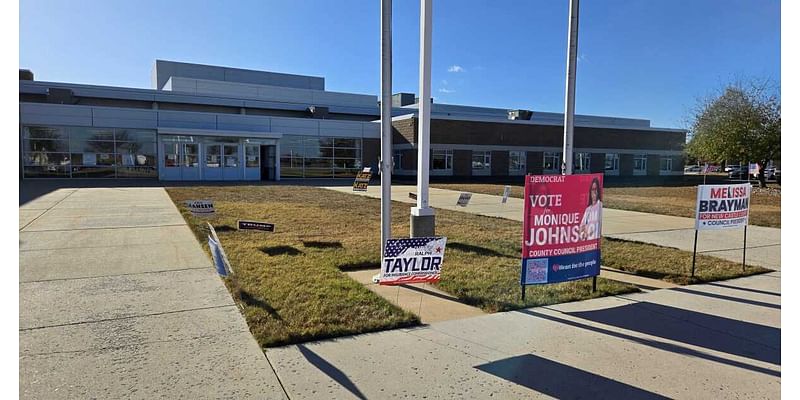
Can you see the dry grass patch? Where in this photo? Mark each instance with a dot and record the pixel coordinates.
(669, 264)
(680, 201)
(291, 282)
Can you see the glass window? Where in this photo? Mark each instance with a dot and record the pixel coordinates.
(90, 152)
(45, 146)
(441, 159)
(137, 153)
(397, 159)
(171, 154)
(516, 160)
(44, 132)
(580, 161)
(191, 157)
(253, 156)
(666, 164)
(481, 160)
(213, 155)
(640, 162)
(552, 161)
(231, 153)
(612, 162)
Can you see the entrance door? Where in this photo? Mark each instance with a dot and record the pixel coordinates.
(212, 170)
(232, 164)
(181, 162)
(190, 169)
(268, 161)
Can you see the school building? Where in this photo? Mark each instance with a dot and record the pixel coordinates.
(210, 123)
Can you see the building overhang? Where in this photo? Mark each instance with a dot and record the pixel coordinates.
(215, 132)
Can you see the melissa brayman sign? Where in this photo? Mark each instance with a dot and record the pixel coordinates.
(561, 228)
(722, 206)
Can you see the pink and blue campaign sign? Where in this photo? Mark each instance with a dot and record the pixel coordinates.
(562, 227)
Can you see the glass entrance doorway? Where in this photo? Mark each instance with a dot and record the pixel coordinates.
(181, 161)
(268, 162)
(222, 162)
(217, 158)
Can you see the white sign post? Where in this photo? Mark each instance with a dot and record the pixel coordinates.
(506, 192)
(722, 207)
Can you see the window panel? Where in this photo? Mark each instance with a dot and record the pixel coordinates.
(43, 145)
(137, 172)
(46, 159)
(171, 154)
(252, 156)
(346, 153)
(46, 172)
(44, 132)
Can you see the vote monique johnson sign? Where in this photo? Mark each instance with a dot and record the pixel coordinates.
(722, 206)
(561, 228)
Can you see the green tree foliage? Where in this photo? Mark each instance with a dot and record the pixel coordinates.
(741, 122)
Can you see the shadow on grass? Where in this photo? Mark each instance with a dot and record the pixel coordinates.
(224, 228)
(323, 245)
(358, 266)
(257, 302)
(469, 248)
(280, 250)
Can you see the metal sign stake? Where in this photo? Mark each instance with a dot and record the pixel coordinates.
(744, 248)
(694, 252)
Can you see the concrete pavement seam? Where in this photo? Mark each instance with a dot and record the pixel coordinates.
(122, 318)
(115, 275)
(120, 347)
(105, 227)
(454, 348)
(275, 372)
(48, 209)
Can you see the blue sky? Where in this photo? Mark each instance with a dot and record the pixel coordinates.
(637, 58)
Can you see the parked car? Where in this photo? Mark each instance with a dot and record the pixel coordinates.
(739, 172)
(778, 176)
(692, 169)
(730, 168)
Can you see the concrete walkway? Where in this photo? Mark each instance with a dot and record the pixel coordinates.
(118, 300)
(763, 244)
(719, 340)
(428, 302)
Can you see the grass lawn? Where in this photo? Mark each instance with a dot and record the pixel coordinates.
(671, 265)
(765, 208)
(291, 283)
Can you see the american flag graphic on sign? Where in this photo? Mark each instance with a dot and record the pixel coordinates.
(412, 260)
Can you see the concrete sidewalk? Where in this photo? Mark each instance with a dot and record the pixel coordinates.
(763, 244)
(719, 340)
(118, 300)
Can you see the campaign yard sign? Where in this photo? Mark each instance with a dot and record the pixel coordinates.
(200, 208)
(722, 206)
(561, 228)
(412, 260)
(362, 180)
(255, 226)
(506, 192)
(463, 199)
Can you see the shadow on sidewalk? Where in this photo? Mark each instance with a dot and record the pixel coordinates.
(562, 381)
(665, 346)
(330, 370)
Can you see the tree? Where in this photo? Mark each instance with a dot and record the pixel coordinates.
(741, 122)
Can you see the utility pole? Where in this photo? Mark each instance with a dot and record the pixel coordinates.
(386, 122)
(422, 216)
(569, 107)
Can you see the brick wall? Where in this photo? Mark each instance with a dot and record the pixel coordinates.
(597, 162)
(625, 164)
(653, 164)
(533, 162)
